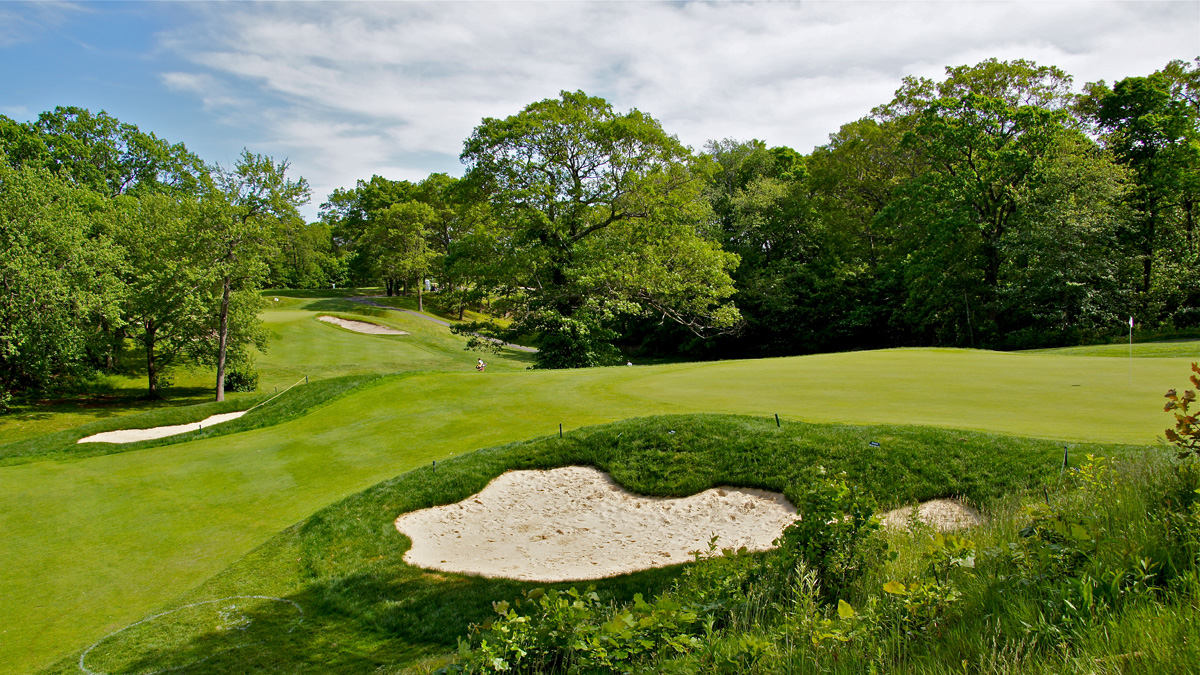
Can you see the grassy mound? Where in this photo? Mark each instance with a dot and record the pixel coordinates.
(364, 609)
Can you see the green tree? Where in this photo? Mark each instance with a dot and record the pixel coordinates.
(242, 212)
(1152, 125)
(58, 280)
(167, 279)
(348, 214)
(979, 135)
(603, 217)
(399, 245)
(99, 152)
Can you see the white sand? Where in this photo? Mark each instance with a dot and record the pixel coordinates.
(133, 435)
(943, 514)
(361, 326)
(575, 523)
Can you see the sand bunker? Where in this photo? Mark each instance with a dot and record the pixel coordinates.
(361, 326)
(943, 514)
(134, 435)
(575, 523)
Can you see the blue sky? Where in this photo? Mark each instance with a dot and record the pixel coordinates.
(347, 90)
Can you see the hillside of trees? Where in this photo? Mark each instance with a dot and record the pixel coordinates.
(1000, 207)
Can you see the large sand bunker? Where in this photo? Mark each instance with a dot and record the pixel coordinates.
(134, 435)
(361, 326)
(575, 523)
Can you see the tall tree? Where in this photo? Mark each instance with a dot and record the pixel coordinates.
(167, 279)
(58, 279)
(100, 152)
(979, 134)
(1152, 125)
(399, 246)
(605, 216)
(243, 209)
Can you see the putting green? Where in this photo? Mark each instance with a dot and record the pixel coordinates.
(1076, 398)
(94, 545)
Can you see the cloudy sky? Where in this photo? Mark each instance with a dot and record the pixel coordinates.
(346, 90)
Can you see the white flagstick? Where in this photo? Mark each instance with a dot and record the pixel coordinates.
(1131, 351)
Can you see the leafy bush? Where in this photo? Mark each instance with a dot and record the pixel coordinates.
(241, 377)
(573, 631)
(835, 534)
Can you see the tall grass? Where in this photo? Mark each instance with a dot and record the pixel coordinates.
(1099, 576)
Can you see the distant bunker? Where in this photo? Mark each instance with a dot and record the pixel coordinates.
(361, 326)
(575, 523)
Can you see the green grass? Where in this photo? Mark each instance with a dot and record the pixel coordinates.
(299, 346)
(364, 608)
(268, 410)
(1141, 350)
(94, 544)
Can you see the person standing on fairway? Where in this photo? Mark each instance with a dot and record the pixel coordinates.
(480, 366)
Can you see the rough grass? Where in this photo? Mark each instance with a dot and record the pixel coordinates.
(365, 610)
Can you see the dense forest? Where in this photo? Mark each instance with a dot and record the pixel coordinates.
(1000, 207)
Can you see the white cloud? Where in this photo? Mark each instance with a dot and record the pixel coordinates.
(22, 23)
(349, 89)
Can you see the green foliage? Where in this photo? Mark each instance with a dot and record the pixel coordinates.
(61, 279)
(573, 631)
(241, 377)
(601, 218)
(834, 534)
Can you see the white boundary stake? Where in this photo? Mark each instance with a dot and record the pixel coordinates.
(95, 644)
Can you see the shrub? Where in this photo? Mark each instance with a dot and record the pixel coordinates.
(835, 535)
(241, 377)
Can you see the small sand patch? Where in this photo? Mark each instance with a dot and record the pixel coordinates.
(134, 435)
(575, 523)
(943, 514)
(361, 326)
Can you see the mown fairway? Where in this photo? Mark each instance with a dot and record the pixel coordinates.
(92, 545)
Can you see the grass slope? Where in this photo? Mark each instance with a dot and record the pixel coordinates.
(91, 545)
(364, 608)
(299, 346)
(265, 410)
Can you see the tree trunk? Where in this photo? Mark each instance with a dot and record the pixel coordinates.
(420, 298)
(223, 340)
(151, 364)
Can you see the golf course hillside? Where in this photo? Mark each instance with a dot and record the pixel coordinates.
(470, 384)
(115, 537)
(334, 594)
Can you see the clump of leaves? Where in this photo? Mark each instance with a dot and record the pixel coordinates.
(1186, 434)
(836, 534)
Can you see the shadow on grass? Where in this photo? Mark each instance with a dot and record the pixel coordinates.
(389, 614)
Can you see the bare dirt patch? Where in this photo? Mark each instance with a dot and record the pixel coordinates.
(361, 326)
(575, 523)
